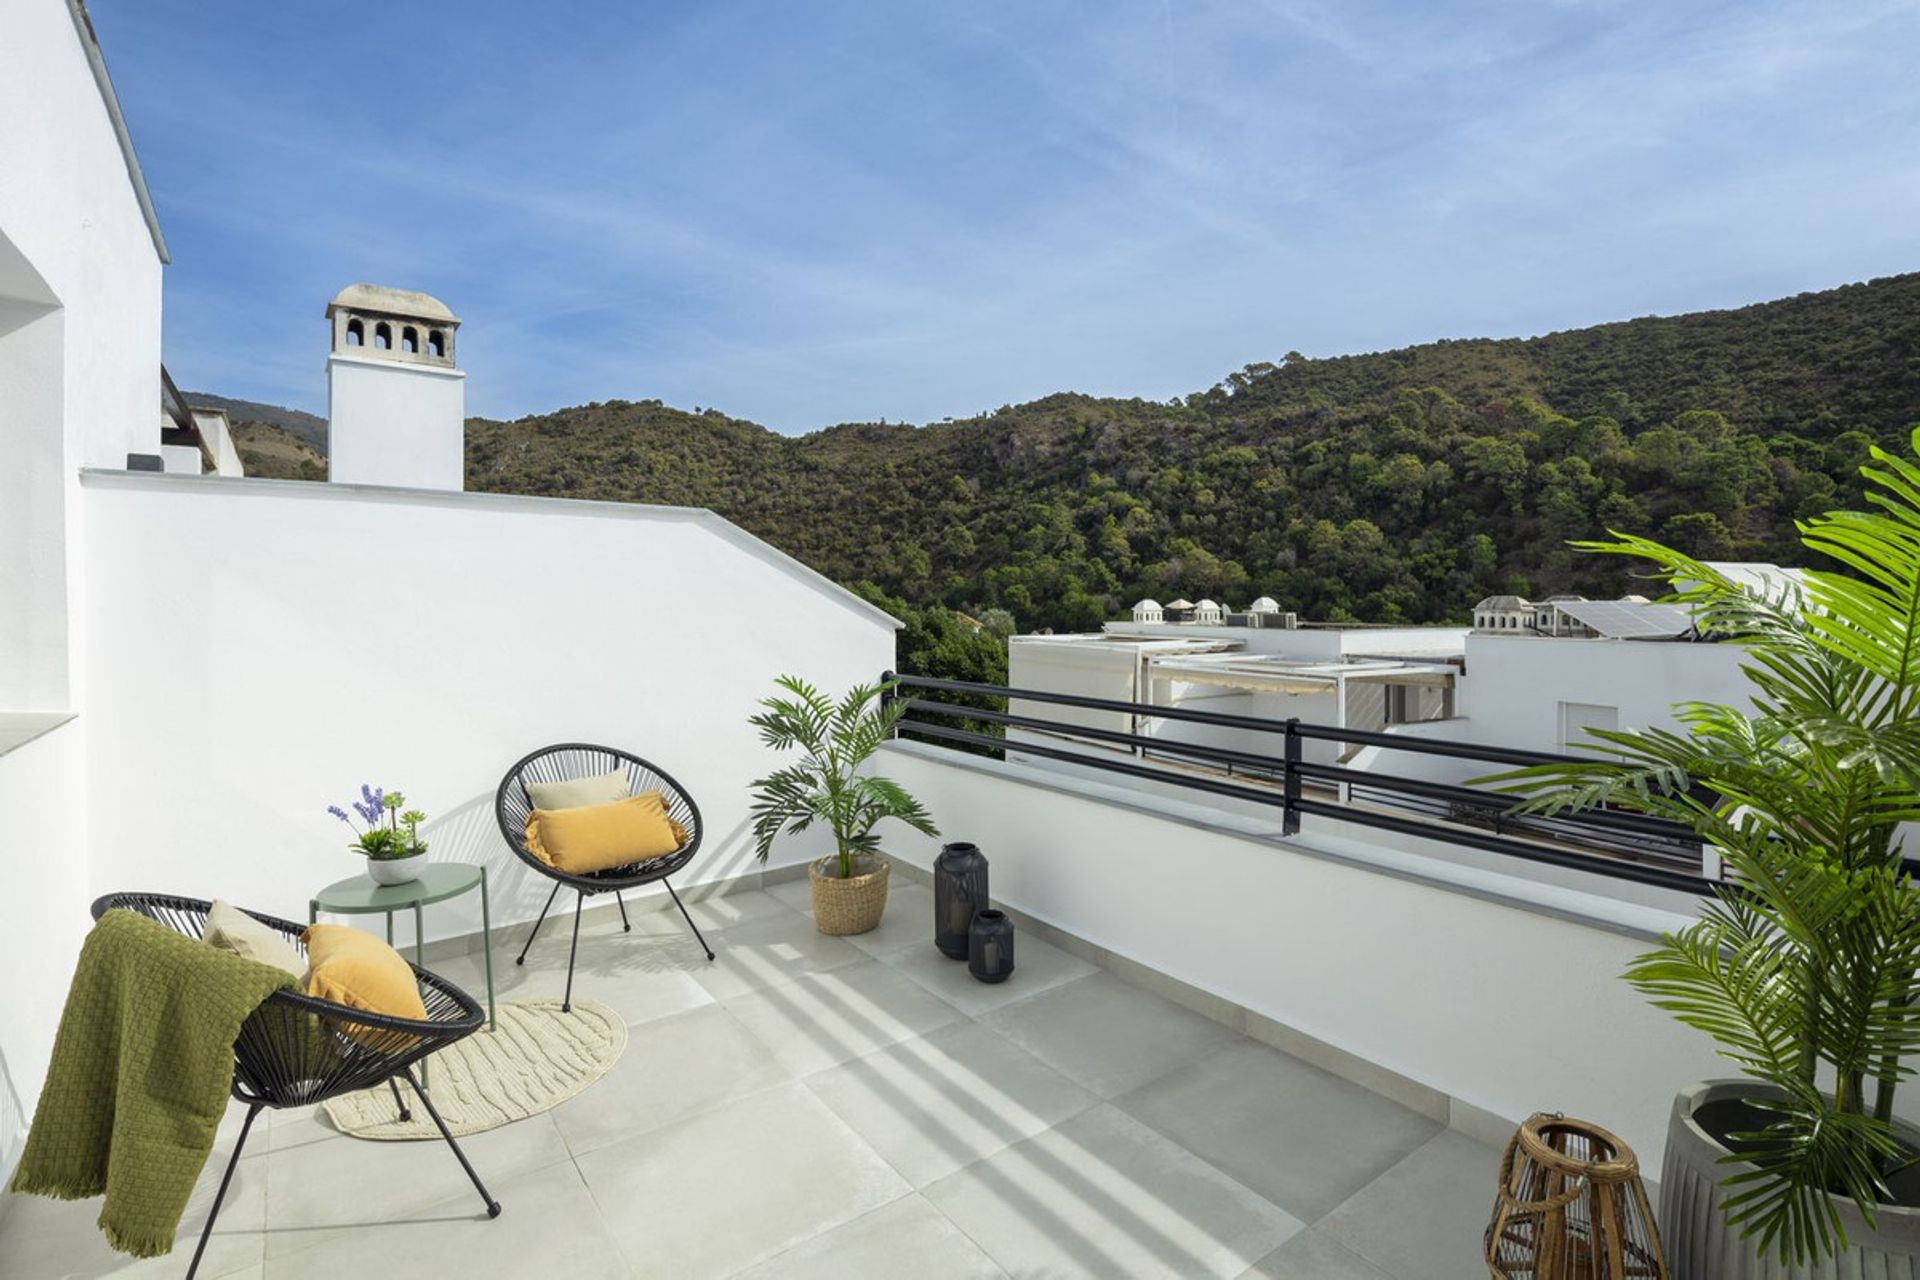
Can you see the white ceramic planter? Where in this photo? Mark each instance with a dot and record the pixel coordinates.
(1693, 1224)
(396, 870)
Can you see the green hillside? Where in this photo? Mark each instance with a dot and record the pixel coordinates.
(1399, 486)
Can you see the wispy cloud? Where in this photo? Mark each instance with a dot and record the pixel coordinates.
(807, 214)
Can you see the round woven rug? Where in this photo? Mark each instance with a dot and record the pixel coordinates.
(534, 1060)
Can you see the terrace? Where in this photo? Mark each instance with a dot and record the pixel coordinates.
(810, 1106)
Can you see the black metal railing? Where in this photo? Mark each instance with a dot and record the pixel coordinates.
(1608, 842)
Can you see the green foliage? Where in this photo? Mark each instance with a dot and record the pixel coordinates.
(936, 641)
(1803, 970)
(828, 784)
(1400, 486)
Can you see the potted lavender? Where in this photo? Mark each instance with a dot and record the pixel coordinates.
(389, 838)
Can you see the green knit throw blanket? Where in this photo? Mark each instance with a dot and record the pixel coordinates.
(139, 1077)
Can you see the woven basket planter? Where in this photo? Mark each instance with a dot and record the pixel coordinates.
(854, 905)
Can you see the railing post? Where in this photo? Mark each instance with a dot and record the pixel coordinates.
(887, 696)
(1290, 815)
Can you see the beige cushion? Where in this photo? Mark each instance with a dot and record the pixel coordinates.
(232, 929)
(578, 793)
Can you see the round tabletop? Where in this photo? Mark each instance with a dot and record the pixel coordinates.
(359, 894)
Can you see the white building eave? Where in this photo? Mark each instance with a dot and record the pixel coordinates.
(253, 487)
(83, 26)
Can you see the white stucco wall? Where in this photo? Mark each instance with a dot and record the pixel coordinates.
(424, 642)
(34, 484)
(217, 430)
(1514, 685)
(68, 206)
(43, 914)
(1509, 1009)
(79, 333)
(395, 424)
(182, 459)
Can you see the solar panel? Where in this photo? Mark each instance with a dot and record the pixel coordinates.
(1629, 620)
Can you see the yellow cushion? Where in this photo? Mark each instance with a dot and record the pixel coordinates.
(350, 967)
(598, 837)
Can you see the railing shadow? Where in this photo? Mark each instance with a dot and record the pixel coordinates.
(1151, 1251)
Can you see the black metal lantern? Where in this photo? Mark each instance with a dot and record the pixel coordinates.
(990, 946)
(959, 890)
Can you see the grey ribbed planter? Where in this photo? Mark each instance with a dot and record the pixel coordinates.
(1701, 1246)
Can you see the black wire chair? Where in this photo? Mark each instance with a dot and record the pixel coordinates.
(565, 762)
(296, 1050)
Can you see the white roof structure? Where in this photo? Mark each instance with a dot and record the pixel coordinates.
(1265, 604)
(1269, 674)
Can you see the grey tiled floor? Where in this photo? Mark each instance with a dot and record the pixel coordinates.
(810, 1106)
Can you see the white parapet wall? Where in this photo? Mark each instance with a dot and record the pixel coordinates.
(327, 635)
(1503, 995)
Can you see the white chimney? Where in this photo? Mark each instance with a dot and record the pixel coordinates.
(396, 405)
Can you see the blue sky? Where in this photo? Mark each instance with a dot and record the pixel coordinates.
(809, 213)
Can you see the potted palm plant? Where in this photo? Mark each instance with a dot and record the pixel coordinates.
(828, 785)
(1802, 967)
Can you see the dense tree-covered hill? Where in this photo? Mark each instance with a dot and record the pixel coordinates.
(1402, 485)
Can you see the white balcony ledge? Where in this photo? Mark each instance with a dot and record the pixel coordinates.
(1631, 910)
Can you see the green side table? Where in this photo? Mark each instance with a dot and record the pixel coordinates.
(359, 896)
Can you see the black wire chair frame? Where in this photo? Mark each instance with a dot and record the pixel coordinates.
(296, 1050)
(564, 762)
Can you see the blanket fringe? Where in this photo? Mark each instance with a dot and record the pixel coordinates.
(140, 1246)
(54, 1190)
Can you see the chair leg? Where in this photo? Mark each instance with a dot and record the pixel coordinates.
(566, 1001)
(232, 1163)
(493, 1206)
(399, 1101)
(537, 923)
(689, 919)
(624, 926)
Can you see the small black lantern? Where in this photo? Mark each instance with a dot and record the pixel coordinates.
(959, 890)
(990, 946)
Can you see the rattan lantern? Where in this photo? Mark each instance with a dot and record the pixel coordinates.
(1571, 1206)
